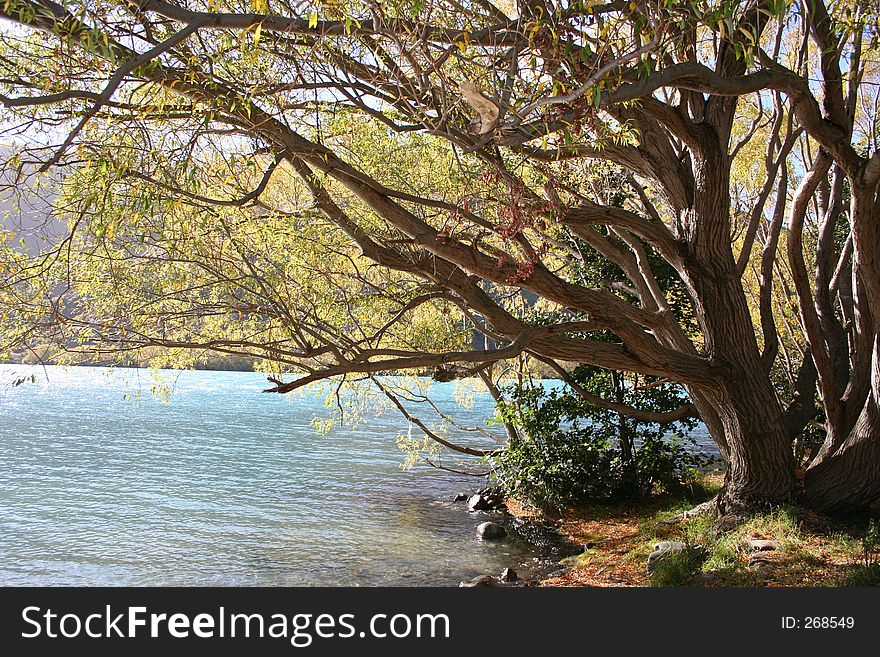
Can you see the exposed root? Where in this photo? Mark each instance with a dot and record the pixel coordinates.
(726, 518)
(709, 506)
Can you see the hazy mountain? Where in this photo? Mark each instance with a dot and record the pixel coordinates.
(27, 210)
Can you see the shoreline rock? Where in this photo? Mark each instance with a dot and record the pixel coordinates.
(490, 531)
(490, 498)
(546, 546)
(480, 580)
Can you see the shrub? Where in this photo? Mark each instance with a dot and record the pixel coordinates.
(570, 452)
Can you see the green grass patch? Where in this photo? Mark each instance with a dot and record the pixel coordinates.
(814, 550)
(591, 556)
(677, 568)
(859, 575)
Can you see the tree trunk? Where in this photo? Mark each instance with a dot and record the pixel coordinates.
(750, 418)
(850, 478)
(625, 440)
(760, 468)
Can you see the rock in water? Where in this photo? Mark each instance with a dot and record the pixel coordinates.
(489, 531)
(461, 497)
(494, 495)
(478, 503)
(488, 499)
(480, 580)
(509, 575)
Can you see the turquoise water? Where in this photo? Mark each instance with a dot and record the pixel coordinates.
(221, 485)
(103, 483)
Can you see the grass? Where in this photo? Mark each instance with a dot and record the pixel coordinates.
(814, 550)
(677, 568)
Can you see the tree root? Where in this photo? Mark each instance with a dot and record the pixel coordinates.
(726, 520)
(709, 506)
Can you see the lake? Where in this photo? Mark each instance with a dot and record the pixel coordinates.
(104, 483)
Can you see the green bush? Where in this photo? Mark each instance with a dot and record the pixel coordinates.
(570, 452)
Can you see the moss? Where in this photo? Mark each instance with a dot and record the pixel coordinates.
(586, 557)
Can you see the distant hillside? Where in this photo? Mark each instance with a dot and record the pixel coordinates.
(27, 211)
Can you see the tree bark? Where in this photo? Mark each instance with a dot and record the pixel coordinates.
(760, 472)
(761, 465)
(850, 478)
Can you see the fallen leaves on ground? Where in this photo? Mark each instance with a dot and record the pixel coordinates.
(617, 540)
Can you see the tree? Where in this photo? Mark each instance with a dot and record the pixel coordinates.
(170, 110)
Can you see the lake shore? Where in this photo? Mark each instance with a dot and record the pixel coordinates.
(791, 547)
(508, 525)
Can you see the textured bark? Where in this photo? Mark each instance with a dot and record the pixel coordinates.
(760, 461)
(850, 478)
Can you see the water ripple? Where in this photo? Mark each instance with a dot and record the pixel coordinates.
(220, 486)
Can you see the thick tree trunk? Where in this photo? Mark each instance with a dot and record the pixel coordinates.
(850, 478)
(760, 472)
(750, 421)
(761, 465)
